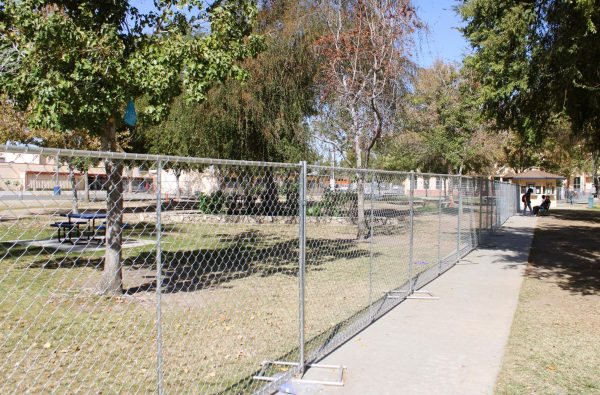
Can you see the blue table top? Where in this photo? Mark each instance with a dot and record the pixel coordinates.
(87, 215)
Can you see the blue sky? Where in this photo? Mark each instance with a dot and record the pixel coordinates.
(442, 39)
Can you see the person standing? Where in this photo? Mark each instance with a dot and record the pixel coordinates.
(526, 199)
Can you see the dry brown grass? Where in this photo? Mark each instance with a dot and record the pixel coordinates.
(554, 347)
(230, 301)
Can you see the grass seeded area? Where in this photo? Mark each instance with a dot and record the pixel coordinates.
(554, 346)
(229, 300)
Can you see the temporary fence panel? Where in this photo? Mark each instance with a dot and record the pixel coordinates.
(212, 276)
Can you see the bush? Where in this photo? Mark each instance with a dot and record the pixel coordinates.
(212, 203)
(335, 204)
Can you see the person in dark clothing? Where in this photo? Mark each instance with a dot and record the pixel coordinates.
(526, 199)
(545, 206)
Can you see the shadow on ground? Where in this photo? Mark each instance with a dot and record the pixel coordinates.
(566, 250)
(233, 257)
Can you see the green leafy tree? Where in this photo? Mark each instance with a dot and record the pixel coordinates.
(71, 139)
(443, 130)
(537, 59)
(79, 62)
(261, 118)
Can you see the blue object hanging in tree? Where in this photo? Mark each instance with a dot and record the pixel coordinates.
(130, 117)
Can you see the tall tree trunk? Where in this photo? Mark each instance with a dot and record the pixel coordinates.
(130, 180)
(86, 183)
(111, 282)
(450, 186)
(73, 181)
(271, 195)
(177, 189)
(595, 180)
(360, 191)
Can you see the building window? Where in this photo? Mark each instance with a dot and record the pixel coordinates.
(577, 183)
(426, 182)
(538, 189)
(438, 182)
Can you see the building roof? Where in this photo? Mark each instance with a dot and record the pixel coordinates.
(537, 175)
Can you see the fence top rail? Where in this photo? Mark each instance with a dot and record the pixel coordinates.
(401, 173)
(25, 149)
(379, 171)
(18, 149)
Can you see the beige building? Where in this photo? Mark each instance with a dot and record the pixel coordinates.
(542, 183)
(33, 172)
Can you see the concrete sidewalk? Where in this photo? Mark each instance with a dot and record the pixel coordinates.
(453, 345)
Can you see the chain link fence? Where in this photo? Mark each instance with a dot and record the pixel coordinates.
(139, 273)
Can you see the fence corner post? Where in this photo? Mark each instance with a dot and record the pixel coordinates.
(301, 262)
(159, 357)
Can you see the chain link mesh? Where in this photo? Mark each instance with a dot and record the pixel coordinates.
(136, 273)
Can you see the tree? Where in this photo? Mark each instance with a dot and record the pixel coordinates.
(260, 119)
(443, 130)
(81, 61)
(263, 117)
(536, 60)
(70, 139)
(176, 135)
(13, 123)
(365, 61)
(561, 152)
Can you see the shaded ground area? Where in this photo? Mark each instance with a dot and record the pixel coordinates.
(554, 346)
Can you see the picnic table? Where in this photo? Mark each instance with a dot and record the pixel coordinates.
(72, 228)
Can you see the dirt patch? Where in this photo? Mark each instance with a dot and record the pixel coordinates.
(554, 347)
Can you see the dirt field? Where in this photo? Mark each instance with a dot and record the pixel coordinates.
(554, 346)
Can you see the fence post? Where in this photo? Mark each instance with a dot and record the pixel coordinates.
(159, 360)
(302, 262)
(490, 200)
(411, 230)
(458, 233)
(371, 234)
(57, 160)
(518, 199)
(472, 231)
(439, 233)
(480, 229)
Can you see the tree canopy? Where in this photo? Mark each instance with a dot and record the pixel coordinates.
(261, 118)
(442, 129)
(537, 58)
(75, 64)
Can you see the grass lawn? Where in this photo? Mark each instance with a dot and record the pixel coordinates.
(229, 300)
(554, 347)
